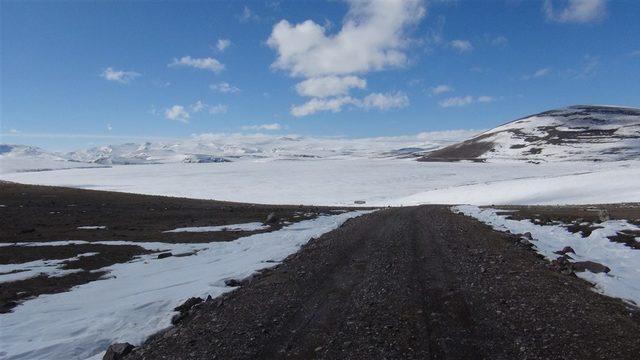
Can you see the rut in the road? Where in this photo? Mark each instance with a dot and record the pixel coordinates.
(417, 282)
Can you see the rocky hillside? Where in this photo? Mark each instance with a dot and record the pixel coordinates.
(576, 133)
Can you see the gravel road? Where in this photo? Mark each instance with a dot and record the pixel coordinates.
(414, 282)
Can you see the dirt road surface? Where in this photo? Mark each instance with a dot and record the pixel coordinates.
(410, 283)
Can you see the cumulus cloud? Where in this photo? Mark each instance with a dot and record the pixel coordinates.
(318, 104)
(207, 63)
(378, 101)
(224, 87)
(576, 11)
(120, 76)
(465, 101)
(329, 86)
(372, 37)
(441, 89)
(267, 127)
(223, 44)
(461, 46)
(177, 113)
(384, 101)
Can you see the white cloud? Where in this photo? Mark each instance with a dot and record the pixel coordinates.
(208, 63)
(177, 113)
(224, 87)
(576, 11)
(329, 86)
(465, 101)
(109, 127)
(589, 67)
(317, 104)
(635, 53)
(223, 44)
(441, 89)
(499, 41)
(485, 99)
(372, 37)
(218, 109)
(198, 106)
(268, 127)
(120, 76)
(538, 74)
(384, 101)
(372, 101)
(456, 101)
(247, 15)
(462, 46)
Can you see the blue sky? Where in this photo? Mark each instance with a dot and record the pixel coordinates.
(77, 74)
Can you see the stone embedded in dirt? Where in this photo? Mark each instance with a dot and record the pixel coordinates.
(592, 266)
(184, 309)
(191, 302)
(272, 218)
(565, 250)
(118, 351)
(562, 265)
(232, 282)
(164, 255)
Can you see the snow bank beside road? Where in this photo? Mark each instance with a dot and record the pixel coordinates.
(623, 281)
(137, 298)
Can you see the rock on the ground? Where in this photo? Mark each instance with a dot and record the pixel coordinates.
(118, 351)
(592, 266)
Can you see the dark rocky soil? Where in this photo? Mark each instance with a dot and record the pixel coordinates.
(44, 214)
(406, 283)
(48, 213)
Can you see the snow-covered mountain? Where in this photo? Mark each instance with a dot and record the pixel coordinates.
(16, 158)
(234, 147)
(576, 133)
(212, 148)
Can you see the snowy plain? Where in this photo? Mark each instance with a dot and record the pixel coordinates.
(623, 279)
(378, 181)
(136, 299)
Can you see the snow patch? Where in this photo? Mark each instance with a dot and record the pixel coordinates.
(136, 299)
(51, 268)
(254, 226)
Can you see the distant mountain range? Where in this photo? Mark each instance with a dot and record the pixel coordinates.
(214, 148)
(576, 133)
